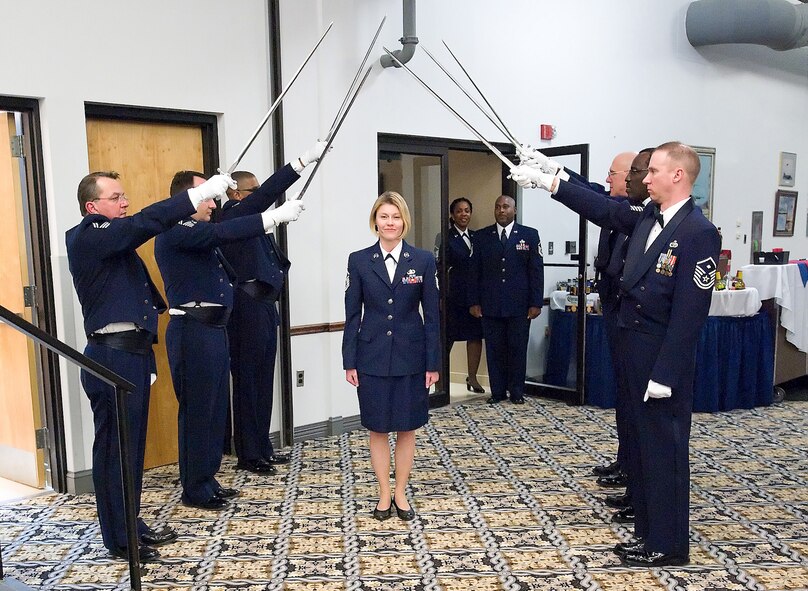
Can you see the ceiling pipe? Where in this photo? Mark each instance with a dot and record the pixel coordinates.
(408, 41)
(777, 24)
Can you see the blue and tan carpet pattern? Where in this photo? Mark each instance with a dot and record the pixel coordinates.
(505, 501)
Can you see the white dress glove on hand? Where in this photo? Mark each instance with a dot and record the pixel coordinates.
(528, 177)
(288, 211)
(215, 186)
(656, 390)
(532, 157)
(311, 155)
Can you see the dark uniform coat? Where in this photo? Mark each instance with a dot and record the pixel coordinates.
(665, 295)
(261, 268)
(113, 285)
(505, 281)
(461, 326)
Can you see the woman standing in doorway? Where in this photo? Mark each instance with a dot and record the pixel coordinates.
(390, 352)
(462, 326)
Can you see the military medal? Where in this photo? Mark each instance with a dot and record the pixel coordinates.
(411, 278)
(665, 263)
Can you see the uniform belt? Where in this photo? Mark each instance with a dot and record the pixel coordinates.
(258, 290)
(210, 315)
(131, 341)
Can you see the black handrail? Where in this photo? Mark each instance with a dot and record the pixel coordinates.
(122, 387)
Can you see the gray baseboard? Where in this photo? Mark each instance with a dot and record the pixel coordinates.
(80, 482)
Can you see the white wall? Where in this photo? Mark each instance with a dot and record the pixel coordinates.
(617, 75)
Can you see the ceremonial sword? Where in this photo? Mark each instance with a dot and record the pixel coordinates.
(479, 136)
(275, 105)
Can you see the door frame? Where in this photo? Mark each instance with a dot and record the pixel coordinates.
(48, 378)
(438, 146)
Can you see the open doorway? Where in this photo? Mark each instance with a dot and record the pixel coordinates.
(429, 173)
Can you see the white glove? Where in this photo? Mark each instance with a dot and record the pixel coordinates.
(215, 186)
(532, 157)
(656, 390)
(528, 177)
(313, 154)
(288, 211)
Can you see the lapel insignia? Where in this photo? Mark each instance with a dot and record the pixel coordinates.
(376, 255)
(522, 245)
(704, 274)
(406, 255)
(411, 278)
(674, 244)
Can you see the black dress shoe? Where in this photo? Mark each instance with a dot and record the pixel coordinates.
(403, 515)
(257, 466)
(624, 548)
(212, 504)
(618, 501)
(653, 559)
(606, 470)
(474, 386)
(278, 459)
(226, 493)
(145, 553)
(624, 515)
(382, 514)
(494, 400)
(158, 538)
(613, 481)
(518, 400)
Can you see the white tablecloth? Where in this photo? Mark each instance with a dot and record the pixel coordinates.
(745, 302)
(784, 284)
(737, 302)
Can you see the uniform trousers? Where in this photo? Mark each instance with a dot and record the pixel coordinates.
(506, 351)
(659, 434)
(107, 479)
(253, 334)
(199, 361)
(610, 322)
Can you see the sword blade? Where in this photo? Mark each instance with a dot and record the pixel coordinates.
(333, 135)
(356, 78)
(276, 103)
(471, 98)
(514, 141)
(460, 118)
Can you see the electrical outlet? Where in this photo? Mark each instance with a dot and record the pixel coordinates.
(299, 378)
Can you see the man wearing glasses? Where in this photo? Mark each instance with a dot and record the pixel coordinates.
(120, 305)
(261, 267)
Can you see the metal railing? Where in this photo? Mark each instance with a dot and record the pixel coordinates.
(122, 387)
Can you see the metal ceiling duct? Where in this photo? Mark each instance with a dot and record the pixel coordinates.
(778, 24)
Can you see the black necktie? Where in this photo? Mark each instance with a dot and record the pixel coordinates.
(504, 238)
(658, 216)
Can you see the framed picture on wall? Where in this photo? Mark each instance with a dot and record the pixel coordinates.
(703, 187)
(788, 169)
(785, 208)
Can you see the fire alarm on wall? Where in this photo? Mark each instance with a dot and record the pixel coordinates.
(547, 131)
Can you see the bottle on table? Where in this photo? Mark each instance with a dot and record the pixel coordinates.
(720, 282)
(738, 283)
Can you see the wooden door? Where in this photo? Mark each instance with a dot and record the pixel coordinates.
(147, 155)
(20, 414)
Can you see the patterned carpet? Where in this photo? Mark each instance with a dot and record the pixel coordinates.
(504, 497)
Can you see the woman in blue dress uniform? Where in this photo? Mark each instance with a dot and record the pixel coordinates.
(390, 352)
(462, 326)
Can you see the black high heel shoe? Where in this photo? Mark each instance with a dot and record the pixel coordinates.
(403, 515)
(478, 389)
(382, 514)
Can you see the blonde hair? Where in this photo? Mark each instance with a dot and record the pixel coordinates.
(684, 156)
(391, 198)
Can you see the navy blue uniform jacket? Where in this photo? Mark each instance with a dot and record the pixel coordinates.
(385, 334)
(191, 270)
(672, 307)
(457, 259)
(111, 280)
(259, 257)
(506, 281)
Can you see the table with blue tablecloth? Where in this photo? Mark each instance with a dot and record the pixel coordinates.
(734, 358)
